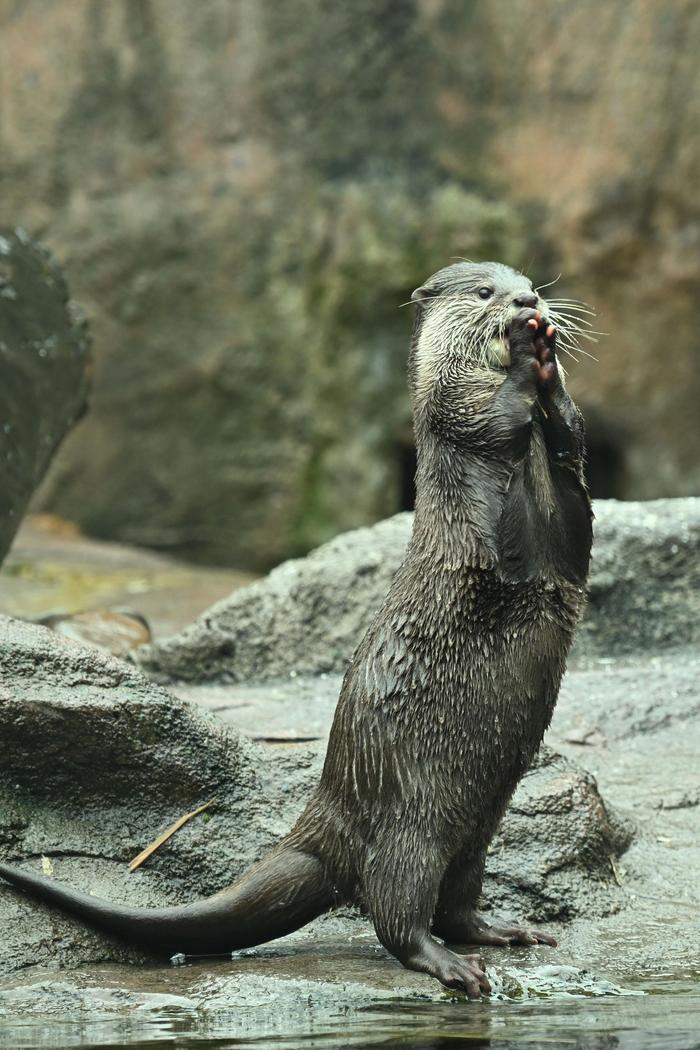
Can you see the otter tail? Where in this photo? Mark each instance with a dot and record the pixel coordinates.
(282, 892)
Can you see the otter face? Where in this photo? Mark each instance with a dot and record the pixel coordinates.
(467, 308)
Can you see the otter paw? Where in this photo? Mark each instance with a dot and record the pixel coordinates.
(473, 929)
(462, 972)
(509, 936)
(465, 973)
(545, 353)
(532, 343)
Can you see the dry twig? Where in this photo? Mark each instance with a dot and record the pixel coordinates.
(146, 853)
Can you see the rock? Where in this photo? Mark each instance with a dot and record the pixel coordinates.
(44, 366)
(353, 149)
(53, 570)
(644, 590)
(97, 760)
(115, 631)
(307, 616)
(355, 1002)
(575, 835)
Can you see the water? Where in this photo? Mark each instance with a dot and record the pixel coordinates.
(657, 1014)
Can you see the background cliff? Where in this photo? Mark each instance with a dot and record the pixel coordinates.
(242, 193)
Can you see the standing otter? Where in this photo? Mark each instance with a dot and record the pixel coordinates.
(448, 695)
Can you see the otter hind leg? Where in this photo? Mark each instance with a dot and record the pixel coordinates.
(401, 900)
(456, 918)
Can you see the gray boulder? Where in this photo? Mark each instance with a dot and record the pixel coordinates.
(97, 760)
(644, 589)
(43, 372)
(551, 857)
(308, 615)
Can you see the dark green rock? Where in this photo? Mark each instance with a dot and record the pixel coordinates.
(43, 372)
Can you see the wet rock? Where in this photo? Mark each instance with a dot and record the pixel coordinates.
(307, 616)
(644, 589)
(233, 999)
(631, 697)
(96, 761)
(562, 833)
(680, 800)
(44, 369)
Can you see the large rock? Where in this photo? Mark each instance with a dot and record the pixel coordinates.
(244, 193)
(43, 371)
(96, 761)
(308, 615)
(644, 589)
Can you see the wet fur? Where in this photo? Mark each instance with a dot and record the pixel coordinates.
(449, 693)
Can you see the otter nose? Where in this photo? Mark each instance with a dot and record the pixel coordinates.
(526, 299)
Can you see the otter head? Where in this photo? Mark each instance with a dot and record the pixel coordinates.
(466, 309)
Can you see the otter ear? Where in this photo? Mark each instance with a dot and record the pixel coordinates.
(423, 293)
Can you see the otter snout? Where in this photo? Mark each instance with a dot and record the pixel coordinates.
(526, 299)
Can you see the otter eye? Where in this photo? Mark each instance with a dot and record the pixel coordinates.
(485, 293)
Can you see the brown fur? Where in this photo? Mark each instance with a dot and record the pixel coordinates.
(450, 691)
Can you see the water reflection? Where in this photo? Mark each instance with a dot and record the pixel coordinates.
(666, 1021)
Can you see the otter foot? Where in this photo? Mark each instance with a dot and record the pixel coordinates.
(532, 339)
(473, 929)
(462, 972)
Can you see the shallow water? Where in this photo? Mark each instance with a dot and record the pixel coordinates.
(658, 1014)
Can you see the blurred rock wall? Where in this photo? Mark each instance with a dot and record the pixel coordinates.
(242, 193)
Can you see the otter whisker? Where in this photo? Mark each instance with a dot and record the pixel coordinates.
(568, 352)
(580, 350)
(573, 320)
(571, 325)
(572, 304)
(567, 338)
(549, 283)
(582, 323)
(574, 314)
(568, 299)
(591, 335)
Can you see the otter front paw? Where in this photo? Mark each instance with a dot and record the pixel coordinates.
(532, 342)
(463, 972)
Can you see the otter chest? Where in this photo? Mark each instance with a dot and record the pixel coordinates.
(545, 527)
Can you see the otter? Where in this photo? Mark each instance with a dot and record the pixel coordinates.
(447, 697)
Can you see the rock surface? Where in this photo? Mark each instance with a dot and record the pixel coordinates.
(307, 616)
(43, 372)
(243, 194)
(52, 569)
(158, 758)
(115, 631)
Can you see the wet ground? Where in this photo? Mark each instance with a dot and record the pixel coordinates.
(630, 980)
